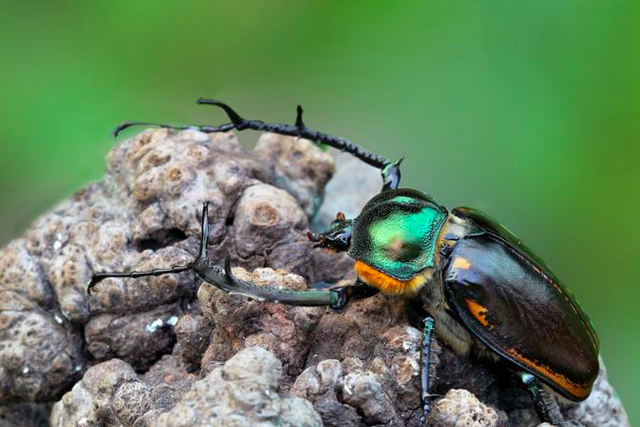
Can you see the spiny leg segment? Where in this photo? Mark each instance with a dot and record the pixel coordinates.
(546, 406)
(425, 363)
(390, 170)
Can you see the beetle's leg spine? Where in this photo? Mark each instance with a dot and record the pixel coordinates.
(425, 362)
(204, 236)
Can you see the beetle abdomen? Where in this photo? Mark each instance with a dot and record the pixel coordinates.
(508, 302)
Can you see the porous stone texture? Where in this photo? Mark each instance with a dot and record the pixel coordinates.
(459, 408)
(243, 392)
(170, 350)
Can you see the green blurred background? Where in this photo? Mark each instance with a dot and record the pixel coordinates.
(527, 110)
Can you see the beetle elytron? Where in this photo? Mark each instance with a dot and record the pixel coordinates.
(482, 287)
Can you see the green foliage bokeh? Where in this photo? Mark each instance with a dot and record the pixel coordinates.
(527, 110)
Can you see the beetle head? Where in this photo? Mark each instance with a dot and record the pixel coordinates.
(337, 236)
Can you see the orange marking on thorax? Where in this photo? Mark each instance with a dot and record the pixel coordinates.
(461, 263)
(479, 312)
(580, 391)
(387, 284)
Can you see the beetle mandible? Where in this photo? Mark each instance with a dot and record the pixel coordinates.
(482, 288)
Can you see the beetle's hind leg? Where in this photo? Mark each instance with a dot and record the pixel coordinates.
(389, 170)
(546, 406)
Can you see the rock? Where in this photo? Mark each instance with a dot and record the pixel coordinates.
(241, 393)
(320, 384)
(143, 215)
(136, 338)
(459, 408)
(170, 350)
(193, 334)
(353, 177)
(24, 415)
(39, 352)
(240, 322)
(168, 380)
(109, 394)
(363, 391)
(299, 168)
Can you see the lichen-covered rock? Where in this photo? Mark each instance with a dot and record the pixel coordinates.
(241, 393)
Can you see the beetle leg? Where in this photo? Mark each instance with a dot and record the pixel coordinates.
(390, 170)
(98, 277)
(425, 362)
(225, 280)
(546, 406)
(353, 292)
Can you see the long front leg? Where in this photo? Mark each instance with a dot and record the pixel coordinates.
(425, 363)
(390, 170)
(224, 279)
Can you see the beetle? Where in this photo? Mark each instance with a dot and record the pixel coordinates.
(484, 290)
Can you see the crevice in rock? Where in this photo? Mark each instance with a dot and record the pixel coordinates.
(161, 239)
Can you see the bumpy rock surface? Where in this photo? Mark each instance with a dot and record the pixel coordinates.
(242, 392)
(460, 408)
(169, 350)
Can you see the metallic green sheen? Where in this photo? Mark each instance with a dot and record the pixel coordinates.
(396, 233)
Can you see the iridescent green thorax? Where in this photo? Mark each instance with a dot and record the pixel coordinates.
(396, 233)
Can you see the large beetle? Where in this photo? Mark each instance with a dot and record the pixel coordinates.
(482, 287)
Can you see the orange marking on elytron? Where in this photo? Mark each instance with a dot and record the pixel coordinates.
(461, 263)
(580, 391)
(386, 284)
(479, 312)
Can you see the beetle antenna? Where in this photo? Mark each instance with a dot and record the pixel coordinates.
(204, 237)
